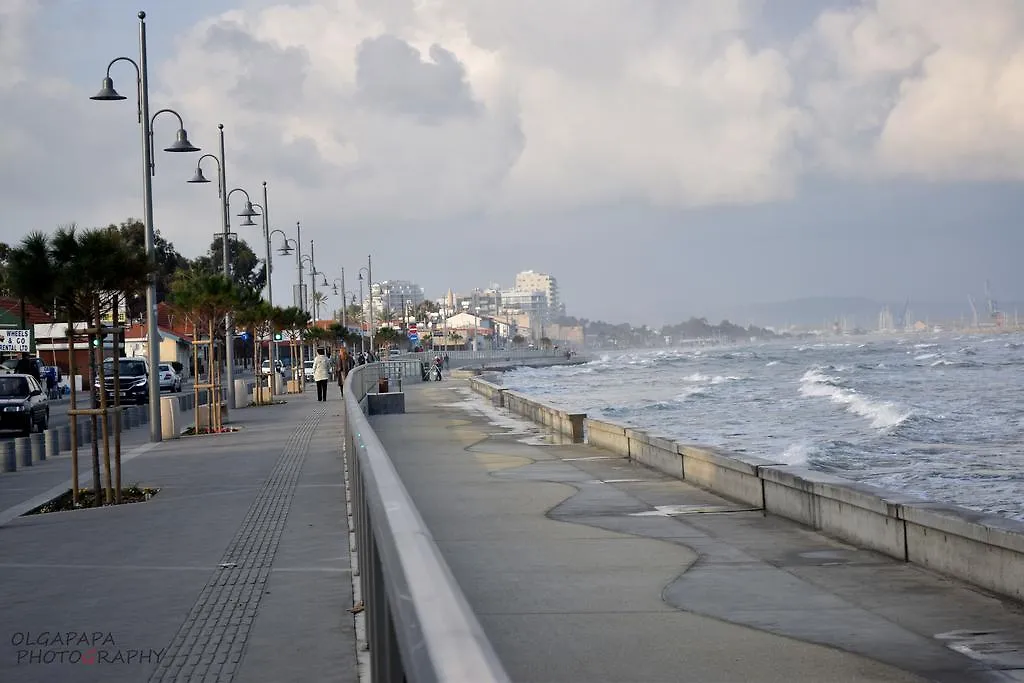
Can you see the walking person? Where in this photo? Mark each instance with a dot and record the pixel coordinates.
(321, 374)
(344, 365)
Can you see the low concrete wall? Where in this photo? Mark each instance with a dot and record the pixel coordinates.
(561, 421)
(607, 435)
(983, 550)
(493, 391)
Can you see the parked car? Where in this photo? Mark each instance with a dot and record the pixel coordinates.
(394, 352)
(12, 365)
(134, 376)
(307, 370)
(169, 378)
(265, 368)
(23, 404)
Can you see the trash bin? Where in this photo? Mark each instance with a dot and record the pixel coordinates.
(382, 385)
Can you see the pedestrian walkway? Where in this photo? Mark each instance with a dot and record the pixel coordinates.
(238, 569)
(584, 567)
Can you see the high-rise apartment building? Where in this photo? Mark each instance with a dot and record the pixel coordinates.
(395, 296)
(531, 281)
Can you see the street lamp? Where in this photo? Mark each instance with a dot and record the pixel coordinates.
(313, 272)
(181, 143)
(362, 316)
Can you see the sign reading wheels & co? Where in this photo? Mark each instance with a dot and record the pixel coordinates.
(77, 647)
(15, 341)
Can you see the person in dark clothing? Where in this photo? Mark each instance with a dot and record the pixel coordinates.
(28, 366)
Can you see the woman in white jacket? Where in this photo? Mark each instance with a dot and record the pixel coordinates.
(321, 373)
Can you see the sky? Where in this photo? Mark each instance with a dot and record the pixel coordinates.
(660, 158)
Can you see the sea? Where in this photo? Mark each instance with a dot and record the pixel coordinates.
(939, 416)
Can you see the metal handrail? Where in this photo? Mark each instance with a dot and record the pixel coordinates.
(420, 627)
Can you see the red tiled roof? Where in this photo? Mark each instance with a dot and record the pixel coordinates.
(33, 314)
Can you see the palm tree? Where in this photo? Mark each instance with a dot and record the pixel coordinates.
(386, 336)
(204, 299)
(293, 323)
(258, 317)
(80, 276)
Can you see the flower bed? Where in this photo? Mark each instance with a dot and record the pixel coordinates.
(86, 499)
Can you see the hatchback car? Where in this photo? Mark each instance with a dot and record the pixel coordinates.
(170, 380)
(23, 404)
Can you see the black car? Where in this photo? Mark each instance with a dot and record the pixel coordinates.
(134, 378)
(23, 404)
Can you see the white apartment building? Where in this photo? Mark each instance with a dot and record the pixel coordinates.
(480, 301)
(395, 296)
(531, 281)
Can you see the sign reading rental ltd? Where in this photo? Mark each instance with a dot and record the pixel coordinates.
(15, 340)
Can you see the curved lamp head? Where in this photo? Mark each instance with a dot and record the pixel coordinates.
(199, 177)
(181, 143)
(248, 213)
(107, 92)
(325, 283)
(285, 250)
(335, 290)
(248, 222)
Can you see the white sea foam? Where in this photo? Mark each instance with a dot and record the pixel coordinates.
(926, 356)
(883, 414)
(796, 453)
(771, 363)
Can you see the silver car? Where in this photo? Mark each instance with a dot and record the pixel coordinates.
(170, 380)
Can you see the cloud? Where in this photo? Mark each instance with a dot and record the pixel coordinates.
(370, 112)
(930, 89)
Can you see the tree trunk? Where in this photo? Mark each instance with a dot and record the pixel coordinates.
(73, 404)
(117, 403)
(93, 351)
(108, 493)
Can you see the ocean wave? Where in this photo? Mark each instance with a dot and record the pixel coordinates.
(883, 414)
(926, 356)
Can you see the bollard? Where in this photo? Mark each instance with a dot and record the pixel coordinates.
(127, 419)
(143, 415)
(85, 431)
(64, 433)
(37, 447)
(8, 463)
(52, 441)
(23, 451)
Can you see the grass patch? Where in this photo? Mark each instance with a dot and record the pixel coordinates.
(86, 499)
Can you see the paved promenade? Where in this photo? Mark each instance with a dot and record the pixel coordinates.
(583, 567)
(238, 569)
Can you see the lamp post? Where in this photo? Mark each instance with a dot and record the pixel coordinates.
(181, 144)
(334, 284)
(247, 213)
(369, 278)
(362, 308)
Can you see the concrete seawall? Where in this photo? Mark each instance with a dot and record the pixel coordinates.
(983, 550)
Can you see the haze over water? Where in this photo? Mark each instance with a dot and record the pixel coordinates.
(937, 416)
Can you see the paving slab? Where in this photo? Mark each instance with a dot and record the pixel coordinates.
(238, 569)
(583, 566)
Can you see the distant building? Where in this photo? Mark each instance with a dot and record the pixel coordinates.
(479, 302)
(530, 281)
(395, 296)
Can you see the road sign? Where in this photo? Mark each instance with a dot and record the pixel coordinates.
(15, 340)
